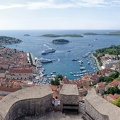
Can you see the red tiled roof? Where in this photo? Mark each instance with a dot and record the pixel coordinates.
(7, 89)
(20, 70)
(116, 96)
(53, 87)
(4, 64)
(66, 81)
(112, 96)
(1, 96)
(101, 84)
(114, 83)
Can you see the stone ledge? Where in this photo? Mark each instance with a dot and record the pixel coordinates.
(99, 108)
(32, 94)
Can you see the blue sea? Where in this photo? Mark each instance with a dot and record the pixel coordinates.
(65, 53)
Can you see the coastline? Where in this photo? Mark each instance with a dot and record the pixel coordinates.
(96, 62)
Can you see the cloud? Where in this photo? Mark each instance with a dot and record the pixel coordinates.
(9, 6)
(60, 4)
(96, 3)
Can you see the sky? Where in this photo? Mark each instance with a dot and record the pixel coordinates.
(59, 14)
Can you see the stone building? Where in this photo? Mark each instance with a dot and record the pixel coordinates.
(20, 73)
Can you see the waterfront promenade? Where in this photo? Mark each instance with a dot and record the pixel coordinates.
(97, 62)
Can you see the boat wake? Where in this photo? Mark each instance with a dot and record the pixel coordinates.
(58, 60)
(46, 46)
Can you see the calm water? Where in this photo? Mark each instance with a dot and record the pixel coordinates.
(63, 63)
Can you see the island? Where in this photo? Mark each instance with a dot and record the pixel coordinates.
(50, 35)
(9, 40)
(65, 35)
(90, 33)
(113, 33)
(60, 41)
(108, 33)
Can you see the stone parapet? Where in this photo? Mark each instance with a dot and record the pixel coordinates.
(69, 94)
(33, 101)
(100, 109)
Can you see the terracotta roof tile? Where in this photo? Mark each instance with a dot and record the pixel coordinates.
(114, 83)
(20, 70)
(2, 88)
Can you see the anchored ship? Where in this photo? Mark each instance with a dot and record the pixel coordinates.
(48, 51)
(45, 60)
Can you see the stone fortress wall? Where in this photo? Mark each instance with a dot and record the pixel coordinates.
(92, 113)
(33, 101)
(36, 101)
(98, 108)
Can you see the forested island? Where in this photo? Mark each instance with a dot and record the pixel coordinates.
(109, 33)
(9, 40)
(65, 35)
(113, 33)
(60, 41)
(80, 35)
(90, 33)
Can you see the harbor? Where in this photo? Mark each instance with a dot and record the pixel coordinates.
(76, 49)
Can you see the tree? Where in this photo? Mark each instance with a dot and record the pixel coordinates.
(115, 75)
(57, 80)
(108, 79)
(113, 90)
(101, 79)
(52, 82)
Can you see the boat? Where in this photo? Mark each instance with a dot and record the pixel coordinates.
(26, 35)
(84, 71)
(88, 63)
(69, 51)
(80, 61)
(48, 51)
(77, 75)
(45, 60)
(75, 59)
(82, 68)
(86, 55)
(54, 71)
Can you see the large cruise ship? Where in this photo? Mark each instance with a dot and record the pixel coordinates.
(48, 51)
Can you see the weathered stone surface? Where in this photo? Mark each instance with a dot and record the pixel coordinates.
(69, 94)
(69, 89)
(55, 116)
(69, 98)
(26, 102)
(100, 109)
